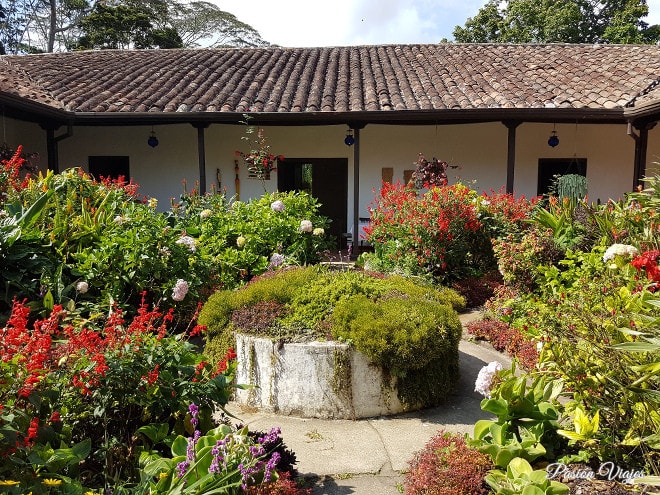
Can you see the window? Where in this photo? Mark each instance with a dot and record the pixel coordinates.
(110, 167)
(551, 167)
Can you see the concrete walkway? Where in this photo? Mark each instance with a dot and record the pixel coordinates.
(368, 456)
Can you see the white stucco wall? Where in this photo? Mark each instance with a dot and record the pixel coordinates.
(31, 136)
(478, 149)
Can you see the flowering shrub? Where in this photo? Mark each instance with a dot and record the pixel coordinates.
(223, 459)
(92, 385)
(503, 214)
(437, 233)
(518, 258)
(447, 466)
(244, 239)
(593, 305)
(70, 232)
(10, 174)
(648, 261)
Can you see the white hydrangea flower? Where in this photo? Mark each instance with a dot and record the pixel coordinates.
(277, 206)
(119, 220)
(82, 287)
(306, 226)
(619, 250)
(205, 213)
(240, 241)
(485, 378)
(180, 290)
(318, 231)
(188, 241)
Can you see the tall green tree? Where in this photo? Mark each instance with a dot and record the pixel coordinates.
(200, 22)
(559, 21)
(128, 25)
(28, 26)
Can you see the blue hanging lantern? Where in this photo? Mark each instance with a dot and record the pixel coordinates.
(553, 140)
(349, 140)
(152, 140)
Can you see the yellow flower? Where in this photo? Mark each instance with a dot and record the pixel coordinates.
(163, 475)
(9, 482)
(91, 493)
(52, 482)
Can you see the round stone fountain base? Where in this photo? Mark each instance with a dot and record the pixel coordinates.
(313, 380)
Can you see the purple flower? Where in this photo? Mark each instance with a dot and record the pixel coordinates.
(270, 466)
(181, 468)
(193, 409)
(276, 260)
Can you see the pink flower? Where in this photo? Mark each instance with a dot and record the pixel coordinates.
(180, 290)
(306, 226)
(277, 206)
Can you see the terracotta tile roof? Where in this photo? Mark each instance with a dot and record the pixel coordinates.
(15, 81)
(340, 79)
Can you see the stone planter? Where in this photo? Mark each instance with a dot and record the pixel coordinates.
(313, 380)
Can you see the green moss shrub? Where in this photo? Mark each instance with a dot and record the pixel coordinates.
(415, 339)
(410, 329)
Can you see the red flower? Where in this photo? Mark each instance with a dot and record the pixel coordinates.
(32, 432)
(152, 376)
(648, 261)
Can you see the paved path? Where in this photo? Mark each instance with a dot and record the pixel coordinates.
(367, 456)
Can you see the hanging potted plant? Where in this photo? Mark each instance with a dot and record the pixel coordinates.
(260, 160)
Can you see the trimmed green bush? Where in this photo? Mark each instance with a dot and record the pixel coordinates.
(398, 333)
(410, 330)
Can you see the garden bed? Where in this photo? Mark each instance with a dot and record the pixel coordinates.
(327, 380)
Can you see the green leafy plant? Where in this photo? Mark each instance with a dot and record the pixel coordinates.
(520, 478)
(527, 419)
(222, 461)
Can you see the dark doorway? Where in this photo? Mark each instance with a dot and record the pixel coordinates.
(551, 167)
(111, 167)
(324, 178)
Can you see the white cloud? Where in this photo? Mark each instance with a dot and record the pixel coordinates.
(309, 23)
(352, 22)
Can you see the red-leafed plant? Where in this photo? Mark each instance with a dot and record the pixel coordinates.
(447, 466)
(505, 338)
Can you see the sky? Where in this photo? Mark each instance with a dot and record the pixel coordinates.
(315, 23)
